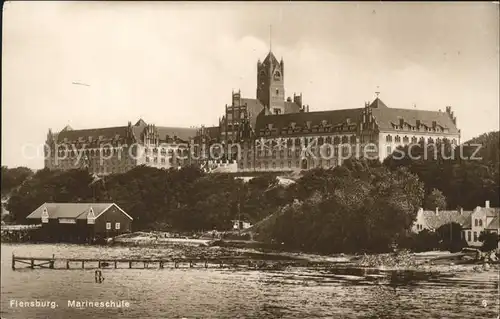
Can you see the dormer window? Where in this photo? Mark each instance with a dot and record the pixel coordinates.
(45, 216)
(277, 75)
(91, 216)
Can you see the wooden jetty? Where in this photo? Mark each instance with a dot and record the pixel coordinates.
(143, 263)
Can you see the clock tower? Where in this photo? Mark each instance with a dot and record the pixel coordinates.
(270, 84)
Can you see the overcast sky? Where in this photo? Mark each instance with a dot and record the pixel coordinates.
(175, 64)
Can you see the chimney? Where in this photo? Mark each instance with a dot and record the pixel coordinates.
(418, 123)
(487, 204)
(461, 211)
(437, 211)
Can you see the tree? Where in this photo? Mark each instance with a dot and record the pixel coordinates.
(450, 237)
(489, 240)
(14, 177)
(435, 199)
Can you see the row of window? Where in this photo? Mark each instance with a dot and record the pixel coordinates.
(163, 151)
(108, 226)
(414, 139)
(429, 129)
(469, 236)
(265, 165)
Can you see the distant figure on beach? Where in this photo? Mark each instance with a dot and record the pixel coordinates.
(98, 277)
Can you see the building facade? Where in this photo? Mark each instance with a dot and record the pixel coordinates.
(482, 219)
(269, 133)
(80, 222)
(473, 222)
(118, 149)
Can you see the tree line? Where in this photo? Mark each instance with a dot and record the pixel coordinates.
(362, 205)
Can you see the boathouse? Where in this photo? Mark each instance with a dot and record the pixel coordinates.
(80, 222)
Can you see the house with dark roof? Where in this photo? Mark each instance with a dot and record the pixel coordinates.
(271, 133)
(473, 222)
(433, 219)
(80, 222)
(118, 149)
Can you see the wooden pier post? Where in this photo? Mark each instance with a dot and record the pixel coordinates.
(190, 264)
(115, 264)
(130, 264)
(13, 262)
(175, 264)
(32, 263)
(67, 264)
(206, 264)
(161, 264)
(98, 264)
(83, 264)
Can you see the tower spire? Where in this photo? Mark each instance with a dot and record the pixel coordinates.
(270, 37)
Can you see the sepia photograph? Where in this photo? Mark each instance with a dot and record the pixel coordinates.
(240, 159)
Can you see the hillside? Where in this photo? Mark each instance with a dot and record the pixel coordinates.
(490, 147)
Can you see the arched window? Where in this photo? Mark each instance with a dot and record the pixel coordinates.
(397, 139)
(345, 139)
(414, 139)
(406, 139)
(336, 140)
(388, 138)
(480, 223)
(430, 140)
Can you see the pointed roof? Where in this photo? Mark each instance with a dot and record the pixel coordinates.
(378, 104)
(141, 123)
(270, 59)
(67, 128)
(72, 210)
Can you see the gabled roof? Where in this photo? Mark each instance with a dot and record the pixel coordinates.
(489, 212)
(378, 104)
(434, 221)
(71, 210)
(386, 117)
(182, 133)
(106, 133)
(291, 107)
(333, 118)
(254, 108)
(494, 224)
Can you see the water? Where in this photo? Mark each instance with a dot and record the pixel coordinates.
(226, 293)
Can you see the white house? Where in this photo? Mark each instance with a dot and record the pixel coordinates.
(482, 219)
(240, 224)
